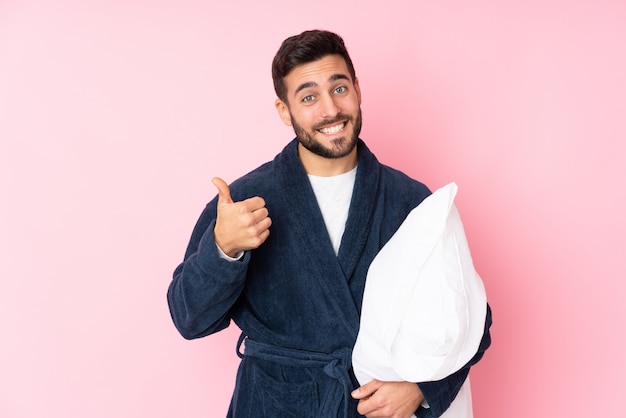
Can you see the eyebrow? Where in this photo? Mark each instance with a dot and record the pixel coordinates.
(333, 77)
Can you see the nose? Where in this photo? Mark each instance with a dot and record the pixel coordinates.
(329, 106)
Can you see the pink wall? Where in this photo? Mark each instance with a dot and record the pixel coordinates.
(114, 116)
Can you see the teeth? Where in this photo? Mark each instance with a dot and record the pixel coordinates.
(333, 129)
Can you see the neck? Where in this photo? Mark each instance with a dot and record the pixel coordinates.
(325, 167)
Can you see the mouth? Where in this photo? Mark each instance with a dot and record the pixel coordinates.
(333, 129)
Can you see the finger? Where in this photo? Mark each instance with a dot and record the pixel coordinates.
(223, 190)
(264, 224)
(260, 214)
(367, 389)
(254, 203)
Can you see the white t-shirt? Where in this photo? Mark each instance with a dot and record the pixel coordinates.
(333, 197)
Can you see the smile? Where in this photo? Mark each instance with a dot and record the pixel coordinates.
(330, 130)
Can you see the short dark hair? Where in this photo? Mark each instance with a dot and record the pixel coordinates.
(309, 46)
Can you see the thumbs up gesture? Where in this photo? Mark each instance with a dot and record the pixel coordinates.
(240, 226)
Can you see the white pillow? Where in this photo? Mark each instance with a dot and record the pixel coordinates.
(424, 305)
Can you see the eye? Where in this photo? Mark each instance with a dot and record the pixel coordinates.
(341, 89)
(308, 99)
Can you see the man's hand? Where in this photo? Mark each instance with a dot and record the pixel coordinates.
(388, 399)
(240, 226)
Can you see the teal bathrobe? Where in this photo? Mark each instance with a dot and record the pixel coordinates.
(296, 302)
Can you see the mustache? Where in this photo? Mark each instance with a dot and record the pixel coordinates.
(339, 118)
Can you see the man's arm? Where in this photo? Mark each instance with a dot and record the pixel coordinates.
(206, 285)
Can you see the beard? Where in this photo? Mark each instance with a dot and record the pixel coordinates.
(341, 146)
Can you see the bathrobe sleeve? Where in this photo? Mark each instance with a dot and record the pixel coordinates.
(205, 286)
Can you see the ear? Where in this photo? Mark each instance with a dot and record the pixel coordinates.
(358, 89)
(283, 111)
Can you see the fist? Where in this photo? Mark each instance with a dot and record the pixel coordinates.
(240, 226)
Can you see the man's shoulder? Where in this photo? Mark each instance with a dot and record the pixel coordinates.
(390, 176)
(396, 179)
(401, 193)
(263, 177)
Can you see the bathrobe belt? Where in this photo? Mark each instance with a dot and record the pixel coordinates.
(335, 365)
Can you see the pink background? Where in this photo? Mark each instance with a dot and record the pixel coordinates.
(114, 116)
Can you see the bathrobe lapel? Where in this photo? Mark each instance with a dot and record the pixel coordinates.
(361, 214)
(334, 271)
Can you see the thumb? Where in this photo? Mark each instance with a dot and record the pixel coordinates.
(367, 389)
(223, 190)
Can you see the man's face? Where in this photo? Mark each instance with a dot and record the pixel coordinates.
(323, 106)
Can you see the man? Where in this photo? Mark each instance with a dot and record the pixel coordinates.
(284, 253)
